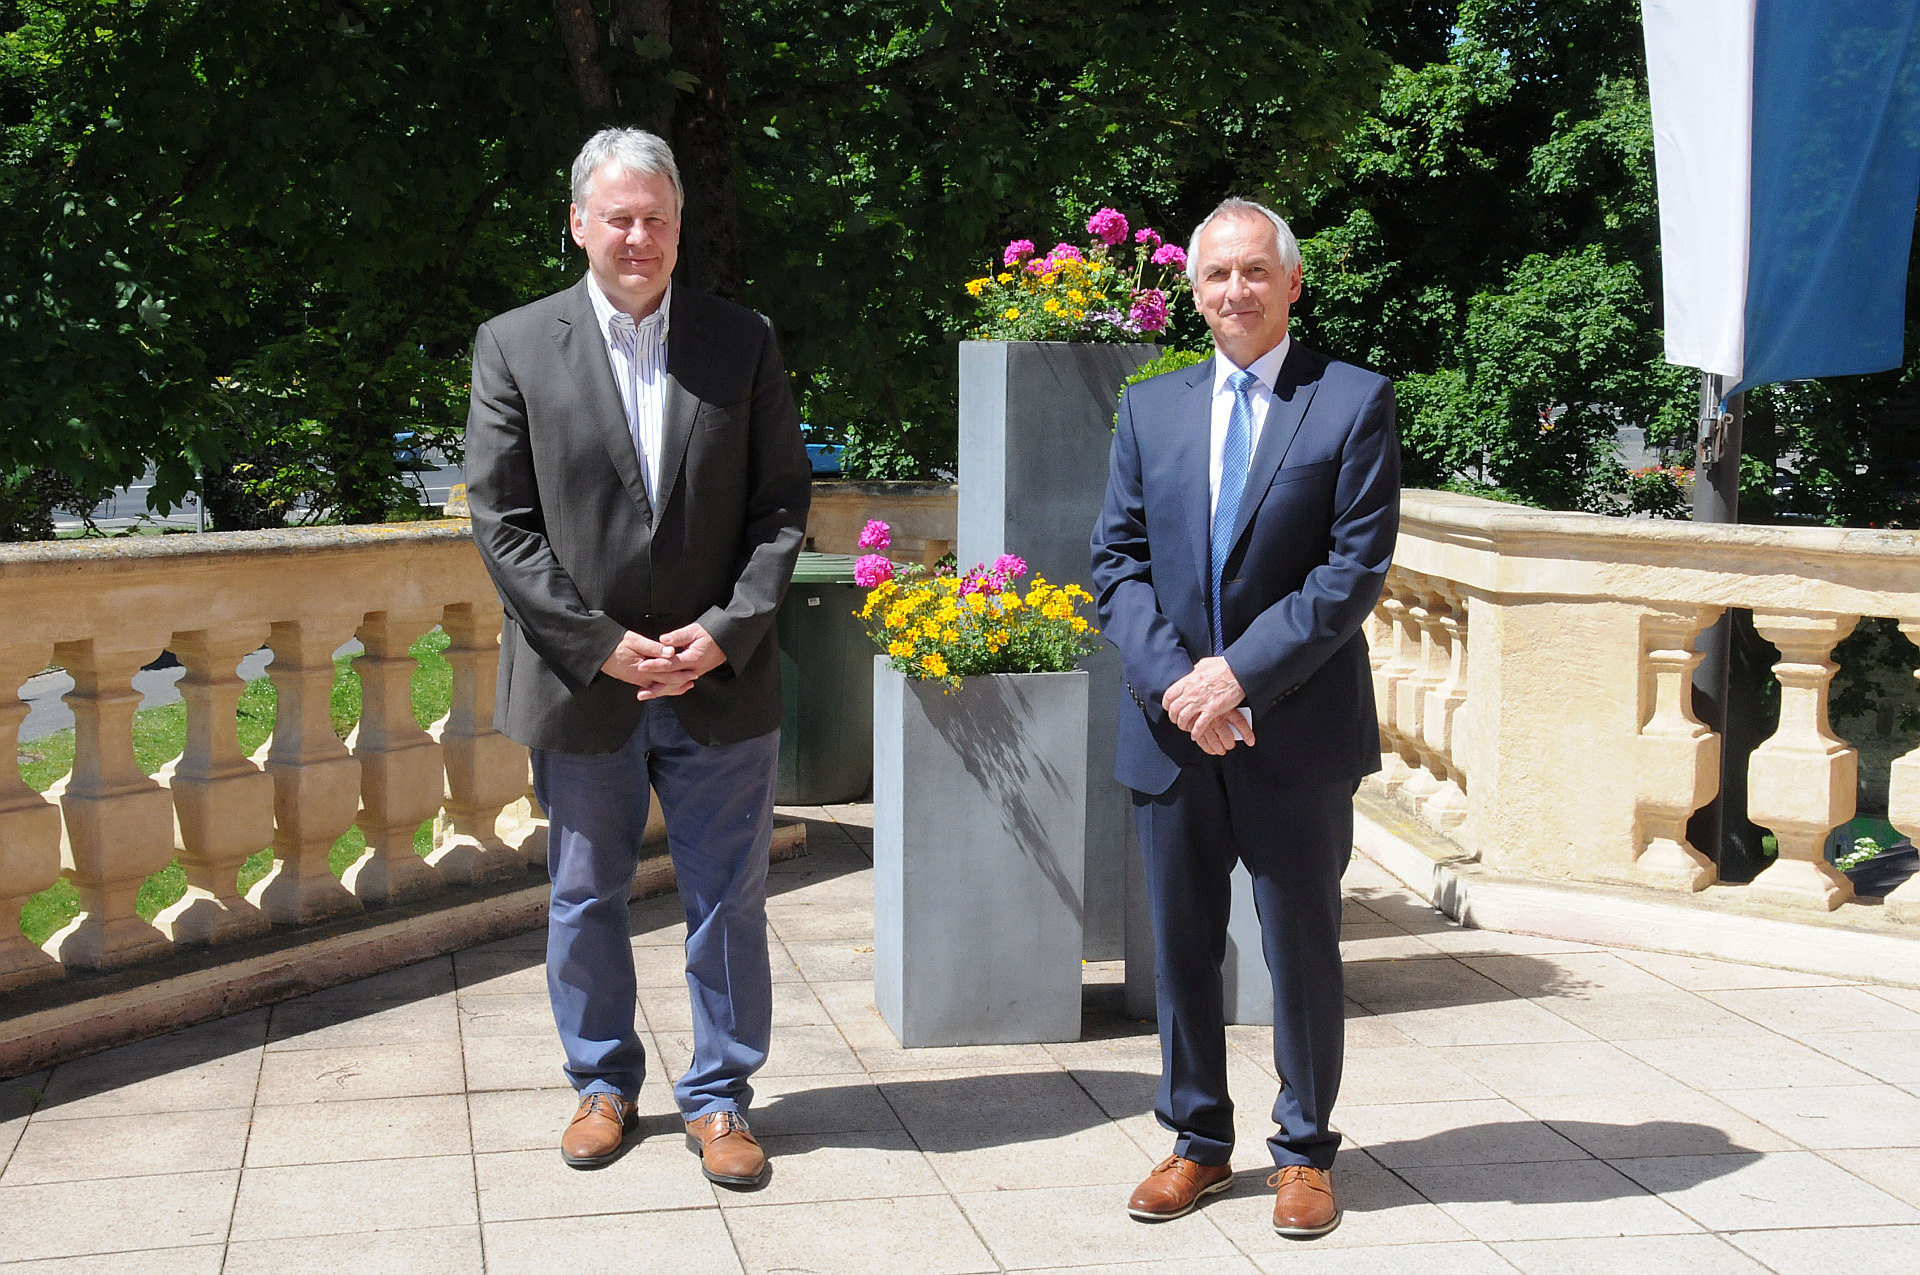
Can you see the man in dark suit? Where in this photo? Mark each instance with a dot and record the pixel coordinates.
(1250, 517)
(639, 490)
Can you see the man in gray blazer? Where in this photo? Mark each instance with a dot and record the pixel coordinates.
(639, 491)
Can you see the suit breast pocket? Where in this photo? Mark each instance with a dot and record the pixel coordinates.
(1302, 473)
(726, 416)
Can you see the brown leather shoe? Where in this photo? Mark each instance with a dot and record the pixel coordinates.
(1174, 1188)
(1303, 1207)
(593, 1136)
(729, 1153)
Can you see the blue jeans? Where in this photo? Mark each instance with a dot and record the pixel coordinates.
(718, 803)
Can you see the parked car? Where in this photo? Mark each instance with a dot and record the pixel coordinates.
(824, 457)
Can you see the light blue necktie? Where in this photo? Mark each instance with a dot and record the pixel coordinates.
(1235, 455)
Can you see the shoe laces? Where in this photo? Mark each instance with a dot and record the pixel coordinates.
(602, 1104)
(1293, 1173)
(726, 1122)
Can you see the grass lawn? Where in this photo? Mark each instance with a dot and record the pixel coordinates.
(159, 734)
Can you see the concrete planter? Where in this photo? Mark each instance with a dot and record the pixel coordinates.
(979, 829)
(1036, 427)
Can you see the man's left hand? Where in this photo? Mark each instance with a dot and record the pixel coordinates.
(1203, 697)
(694, 653)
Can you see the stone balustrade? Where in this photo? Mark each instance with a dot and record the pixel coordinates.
(1559, 741)
(104, 608)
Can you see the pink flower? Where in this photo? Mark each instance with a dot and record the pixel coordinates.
(1147, 234)
(1009, 566)
(1040, 265)
(871, 569)
(875, 535)
(1150, 310)
(1066, 252)
(1017, 249)
(1108, 226)
(1171, 255)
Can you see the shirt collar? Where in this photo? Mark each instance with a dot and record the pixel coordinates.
(604, 310)
(1266, 367)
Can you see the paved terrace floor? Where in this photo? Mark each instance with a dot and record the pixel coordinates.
(1510, 1104)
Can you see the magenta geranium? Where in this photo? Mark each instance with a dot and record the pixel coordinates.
(1108, 226)
(875, 535)
(1170, 255)
(1065, 252)
(1147, 234)
(1016, 250)
(871, 569)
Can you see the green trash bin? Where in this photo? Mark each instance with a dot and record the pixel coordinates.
(826, 683)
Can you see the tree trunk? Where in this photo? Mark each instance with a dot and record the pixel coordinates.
(580, 36)
(702, 140)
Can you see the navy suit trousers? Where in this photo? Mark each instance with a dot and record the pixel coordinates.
(1296, 843)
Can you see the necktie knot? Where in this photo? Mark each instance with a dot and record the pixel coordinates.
(1242, 383)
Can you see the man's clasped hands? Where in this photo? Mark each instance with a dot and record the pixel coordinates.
(667, 666)
(1205, 704)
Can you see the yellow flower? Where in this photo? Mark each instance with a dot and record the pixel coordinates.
(950, 635)
(1079, 314)
(1052, 306)
(975, 287)
(1009, 601)
(934, 663)
(1048, 278)
(1079, 625)
(1076, 296)
(1003, 278)
(1012, 312)
(976, 602)
(899, 650)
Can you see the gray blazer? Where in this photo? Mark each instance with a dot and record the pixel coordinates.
(578, 552)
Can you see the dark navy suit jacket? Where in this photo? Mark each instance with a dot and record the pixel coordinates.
(1313, 541)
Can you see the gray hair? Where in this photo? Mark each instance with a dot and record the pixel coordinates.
(633, 150)
(1289, 246)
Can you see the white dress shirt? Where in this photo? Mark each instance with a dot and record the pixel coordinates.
(1267, 369)
(641, 375)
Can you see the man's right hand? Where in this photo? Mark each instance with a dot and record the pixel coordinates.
(1215, 737)
(626, 659)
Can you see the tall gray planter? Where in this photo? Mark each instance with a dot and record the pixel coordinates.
(1036, 426)
(978, 829)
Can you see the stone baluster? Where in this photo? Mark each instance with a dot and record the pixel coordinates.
(29, 831)
(402, 779)
(1678, 758)
(316, 781)
(119, 821)
(1903, 811)
(1801, 783)
(1410, 700)
(1392, 683)
(222, 799)
(486, 771)
(1446, 807)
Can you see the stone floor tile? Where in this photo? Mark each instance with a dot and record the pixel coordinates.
(515, 1014)
(290, 1201)
(924, 1234)
(1662, 1015)
(1382, 941)
(780, 962)
(121, 1215)
(794, 1051)
(1609, 1255)
(1079, 1225)
(1407, 1135)
(1717, 1063)
(832, 960)
(1464, 941)
(370, 1129)
(368, 1071)
(838, 1166)
(654, 1172)
(533, 940)
(205, 1068)
(1611, 1125)
(1011, 1132)
(1565, 1200)
(10, 1132)
(794, 1105)
(1895, 1170)
(1701, 974)
(1799, 1011)
(1421, 984)
(1500, 1022)
(1821, 1252)
(1836, 1116)
(1120, 1092)
(127, 1146)
(495, 973)
(516, 1062)
(200, 1259)
(659, 922)
(1365, 1030)
(1565, 974)
(1234, 1265)
(1378, 1209)
(1909, 997)
(1467, 1258)
(881, 1054)
(821, 922)
(311, 1024)
(519, 1119)
(690, 1242)
(654, 967)
(410, 982)
(1760, 1192)
(1570, 1067)
(1138, 1053)
(1889, 1056)
(439, 1250)
(21, 1095)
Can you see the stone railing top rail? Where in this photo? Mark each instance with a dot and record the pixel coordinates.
(276, 541)
(1496, 548)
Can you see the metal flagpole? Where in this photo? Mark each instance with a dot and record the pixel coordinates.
(1716, 498)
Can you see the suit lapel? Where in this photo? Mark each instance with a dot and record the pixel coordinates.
(1192, 444)
(1291, 394)
(682, 406)
(584, 352)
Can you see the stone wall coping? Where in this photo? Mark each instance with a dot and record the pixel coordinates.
(219, 544)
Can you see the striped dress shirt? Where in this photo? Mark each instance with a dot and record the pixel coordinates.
(638, 355)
